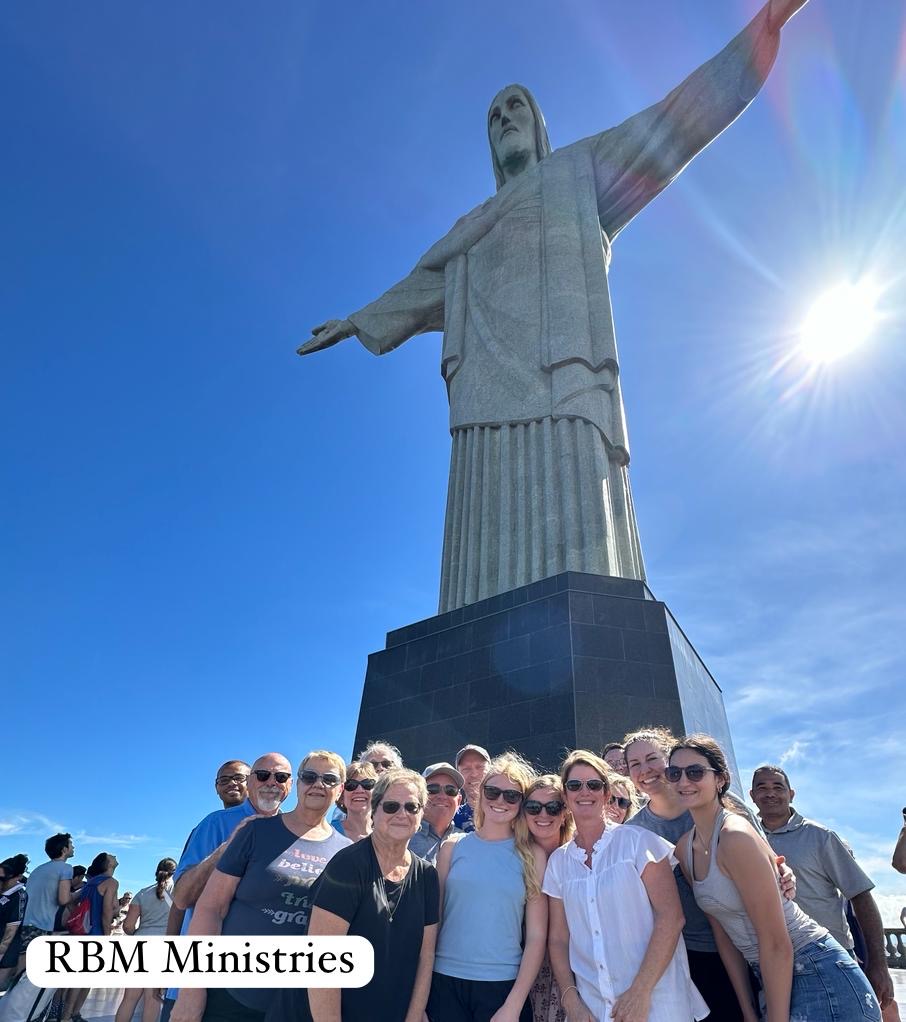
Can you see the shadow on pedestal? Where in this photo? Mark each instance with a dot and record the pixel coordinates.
(573, 661)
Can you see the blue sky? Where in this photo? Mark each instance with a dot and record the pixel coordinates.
(205, 536)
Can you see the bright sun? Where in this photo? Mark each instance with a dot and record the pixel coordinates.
(839, 321)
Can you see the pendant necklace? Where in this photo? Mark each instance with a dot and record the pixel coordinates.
(391, 912)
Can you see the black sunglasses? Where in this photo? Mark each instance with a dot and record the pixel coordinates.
(593, 784)
(385, 763)
(623, 803)
(280, 776)
(447, 789)
(695, 772)
(310, 776)
(366, 782)
(533, 807)
(392, 808)
(511, 796)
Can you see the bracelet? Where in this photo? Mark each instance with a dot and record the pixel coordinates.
(563, 993)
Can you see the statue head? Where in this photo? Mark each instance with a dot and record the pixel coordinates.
(516, 130)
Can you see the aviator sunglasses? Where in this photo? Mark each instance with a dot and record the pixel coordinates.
(392, 808)
(593, 784)
(280, 776)
(695, 772)
(310, 776)
(511, 796)
(366, 783)
(533, 807)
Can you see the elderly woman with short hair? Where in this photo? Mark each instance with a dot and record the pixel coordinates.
(379, 890)
(615, 916)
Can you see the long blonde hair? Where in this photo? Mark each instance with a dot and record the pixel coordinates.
(512, 766)
(567, 826)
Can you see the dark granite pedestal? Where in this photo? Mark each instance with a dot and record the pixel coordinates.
(572, 661)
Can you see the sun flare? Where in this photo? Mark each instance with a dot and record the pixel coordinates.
(839, 321)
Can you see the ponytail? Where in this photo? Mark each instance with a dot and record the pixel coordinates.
(165, 869)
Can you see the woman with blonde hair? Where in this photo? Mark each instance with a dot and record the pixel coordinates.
(549, 824)
(615, 916)
(147, 916)
(624, 802)
(355, 801)
(493, 927)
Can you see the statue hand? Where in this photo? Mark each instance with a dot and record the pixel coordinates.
(326, 335)
(780, 12)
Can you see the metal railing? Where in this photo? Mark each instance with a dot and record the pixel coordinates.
(895, 940)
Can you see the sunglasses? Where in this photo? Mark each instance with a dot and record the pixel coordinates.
(234, 778)
(511, 796)
(594, 784)
(280, 776)
(623, 803)
(392, 808)
(533, 807)
(310, 776)
(385, 763)
(695, 772)
(366, 783)
(447, 789)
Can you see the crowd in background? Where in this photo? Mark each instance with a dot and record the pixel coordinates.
(630, 885)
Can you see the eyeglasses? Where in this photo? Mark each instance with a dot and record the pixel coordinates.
(695, 772)
(280, 776)
(623, 803)
(392, 808)
(385, 763)
(511, 796)
(533, 807)
(234, 778)
(593, 784)
(367, 783)
(310, 776)
(447, 789)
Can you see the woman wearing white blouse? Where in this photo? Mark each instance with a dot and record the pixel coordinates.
(615, 916)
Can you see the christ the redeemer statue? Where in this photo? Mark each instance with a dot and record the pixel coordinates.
(538, 471)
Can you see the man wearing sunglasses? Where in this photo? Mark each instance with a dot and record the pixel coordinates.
(231, 782)
(268, 784)
(262, 884)
(445, 784)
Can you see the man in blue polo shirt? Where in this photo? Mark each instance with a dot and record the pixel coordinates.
(268, 785)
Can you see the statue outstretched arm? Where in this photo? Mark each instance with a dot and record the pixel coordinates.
(414, 306)
(780, 12)
(637, 159)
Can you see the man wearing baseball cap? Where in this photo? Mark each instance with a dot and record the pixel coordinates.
(471, 761)
(444, 796)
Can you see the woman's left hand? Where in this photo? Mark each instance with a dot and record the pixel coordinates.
(632, 1006)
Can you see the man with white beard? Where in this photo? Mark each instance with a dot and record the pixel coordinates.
(269, 783)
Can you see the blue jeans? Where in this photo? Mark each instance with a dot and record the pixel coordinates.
(828, 986)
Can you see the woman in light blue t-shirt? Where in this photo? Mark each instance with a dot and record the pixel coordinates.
(490, 884)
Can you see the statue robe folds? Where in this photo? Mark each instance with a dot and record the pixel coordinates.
(538, 473)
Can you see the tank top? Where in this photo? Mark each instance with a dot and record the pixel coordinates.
(719, 897)
(484, 902)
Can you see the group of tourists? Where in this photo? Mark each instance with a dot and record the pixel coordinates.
(631, 885)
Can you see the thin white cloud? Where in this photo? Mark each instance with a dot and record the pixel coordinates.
(28, 823)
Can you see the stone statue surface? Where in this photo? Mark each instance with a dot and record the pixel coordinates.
(539, 465)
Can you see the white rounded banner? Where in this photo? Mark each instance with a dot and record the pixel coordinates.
(61, 961)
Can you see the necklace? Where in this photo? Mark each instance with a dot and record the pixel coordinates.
(391, 912)
(701, 843)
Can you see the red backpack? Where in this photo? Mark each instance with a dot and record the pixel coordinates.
(79, 921)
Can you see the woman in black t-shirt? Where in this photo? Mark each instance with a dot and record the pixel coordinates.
(379, 890)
